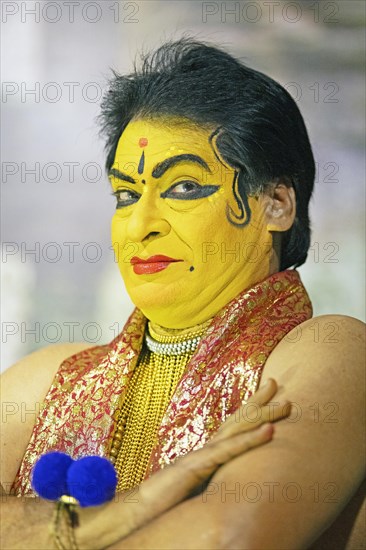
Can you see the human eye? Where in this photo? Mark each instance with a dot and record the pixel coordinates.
(189, 190)
(125, 197)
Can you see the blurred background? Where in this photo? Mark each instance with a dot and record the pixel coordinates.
(58, 275)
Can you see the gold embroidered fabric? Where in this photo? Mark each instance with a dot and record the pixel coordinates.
(148, 395)
(82, 407)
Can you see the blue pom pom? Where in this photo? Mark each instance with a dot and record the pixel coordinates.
(92, 480)
(49, 476)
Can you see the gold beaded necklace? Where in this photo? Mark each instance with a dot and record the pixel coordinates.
(161, 364)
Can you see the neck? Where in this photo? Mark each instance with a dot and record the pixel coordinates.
(164, 331)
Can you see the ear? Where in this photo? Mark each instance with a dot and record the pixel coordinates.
(280, 206)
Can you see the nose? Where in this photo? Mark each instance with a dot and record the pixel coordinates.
(146, 219)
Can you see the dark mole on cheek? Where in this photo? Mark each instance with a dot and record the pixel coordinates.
(191, 268)
(143, 181)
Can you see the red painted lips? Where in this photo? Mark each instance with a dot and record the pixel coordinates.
(154, 264)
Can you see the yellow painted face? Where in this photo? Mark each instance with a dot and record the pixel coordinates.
(181, 259)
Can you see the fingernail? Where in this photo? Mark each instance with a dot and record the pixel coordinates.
(268, 428)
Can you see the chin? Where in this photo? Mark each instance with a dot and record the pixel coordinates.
(153, 297)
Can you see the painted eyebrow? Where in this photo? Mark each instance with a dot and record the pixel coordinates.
(162, 167)
(120, 175)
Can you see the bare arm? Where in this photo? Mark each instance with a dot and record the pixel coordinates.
(285, 494)
(307, 454)
(26, 521)
(23, 389)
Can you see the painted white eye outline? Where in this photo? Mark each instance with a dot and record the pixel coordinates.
(117, 194)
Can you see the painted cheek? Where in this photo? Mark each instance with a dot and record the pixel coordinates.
(113, 228)
(116, 226)
(118, 237)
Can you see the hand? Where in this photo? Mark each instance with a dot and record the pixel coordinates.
(255, 413)
(249, 427)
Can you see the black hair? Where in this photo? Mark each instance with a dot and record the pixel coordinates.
(262, 133)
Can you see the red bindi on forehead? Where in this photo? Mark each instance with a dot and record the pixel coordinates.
(143, 141)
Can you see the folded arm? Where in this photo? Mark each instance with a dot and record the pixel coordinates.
(281, 495)
(27, 522)
(284, 495)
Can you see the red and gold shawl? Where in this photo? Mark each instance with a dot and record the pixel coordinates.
(79, 411)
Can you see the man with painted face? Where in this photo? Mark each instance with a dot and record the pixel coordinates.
(212, 171)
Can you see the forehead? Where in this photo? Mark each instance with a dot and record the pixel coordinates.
(159, 140)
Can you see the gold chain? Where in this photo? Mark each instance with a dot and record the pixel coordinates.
(148, 395)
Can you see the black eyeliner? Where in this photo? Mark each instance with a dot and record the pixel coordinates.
(201, 192)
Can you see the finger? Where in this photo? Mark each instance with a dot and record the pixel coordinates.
(265, 392)
(261, 397)
(251, 417)
(173, 484)
(223, 451)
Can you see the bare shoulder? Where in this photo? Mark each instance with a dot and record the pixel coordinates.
(319, 367)
(31, 377)
(321, 364)
(23, 389)
(329, 342)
